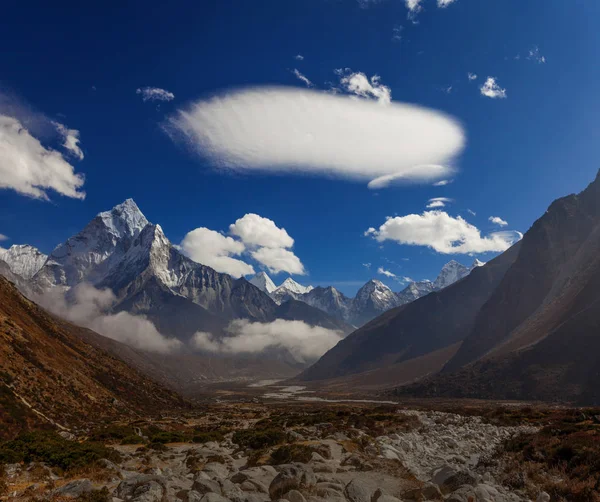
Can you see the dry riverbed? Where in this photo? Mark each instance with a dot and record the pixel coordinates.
(248, 452)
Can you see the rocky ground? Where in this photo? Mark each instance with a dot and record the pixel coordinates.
(251, 453)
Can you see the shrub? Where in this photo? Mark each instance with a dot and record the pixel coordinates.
(291, 453)
(207, 436)
(168, 437)
(133, 439)
(257, 439)
(102, 495)
(112, 432)
(157, 447)
(55, 451)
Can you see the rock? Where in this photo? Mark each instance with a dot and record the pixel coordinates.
(74, 489)
(442, 474)
(543, 497)
(194, 496)
(431, 492)
(291, 477)
(214, 497)
(239, 477)
(323, 467)
(294, 496)
(204, 486)
(232, 491)
(357, 491)
(141, 488)
(216, 470)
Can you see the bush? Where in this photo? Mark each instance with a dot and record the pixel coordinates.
(55, 451)
(112, 432)
(291, 453)
(257, 439)
(168, 437)
(102, 495)
(207, 436)
(157, 447)
(133, 439)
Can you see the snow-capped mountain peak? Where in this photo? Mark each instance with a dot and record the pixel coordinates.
(477, 263)
(23, 259)
(263, 282)
(451, 272)
(124, 219)
(292, 286)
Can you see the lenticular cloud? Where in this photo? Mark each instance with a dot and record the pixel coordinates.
(296, 130)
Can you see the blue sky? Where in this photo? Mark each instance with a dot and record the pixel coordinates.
(81, 64)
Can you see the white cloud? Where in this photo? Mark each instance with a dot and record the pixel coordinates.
(70, 139)
(397, 33)
(387, 273)
(301, 77)
(496, 220)
(444, 3)
(29, 168)
(491, 89)
(3, 238)
(254, 230)
(155, 94)
(438, 202)
(367, 266)
(442, 233)
(442, 183)
(216, 250)
(305, 343)
(424, 173)
(89, 308)
(535, 55)
(279, 260)
(471, 212)
(414, 7)
(299, 57)
(294, 130)
(359, 84)
(471, 76)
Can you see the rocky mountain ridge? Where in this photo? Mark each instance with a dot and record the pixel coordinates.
(371, 300)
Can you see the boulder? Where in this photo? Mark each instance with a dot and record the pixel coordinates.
(357, 491)
(204, 486)
(291, 477)
(214, 497)
(141, 488)
(294, 496)
(543, 497)
(74, 489)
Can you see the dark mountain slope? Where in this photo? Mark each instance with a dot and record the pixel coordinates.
(433, 322)
(46, 365)
(545, 343)
(558, 256)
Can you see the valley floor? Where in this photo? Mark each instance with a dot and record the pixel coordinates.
(281, 449)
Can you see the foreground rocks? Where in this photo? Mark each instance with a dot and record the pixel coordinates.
(440, 458)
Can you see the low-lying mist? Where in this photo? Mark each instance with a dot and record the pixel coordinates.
(88, 307)
(304, 342)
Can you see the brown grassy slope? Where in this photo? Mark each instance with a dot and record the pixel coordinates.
(44, 361)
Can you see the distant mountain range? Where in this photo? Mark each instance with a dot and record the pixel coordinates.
(122, 251)
(371, 300)
(526, 325)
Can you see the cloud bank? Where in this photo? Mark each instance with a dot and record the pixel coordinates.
(276, 129)
(216, 250)
(442, 233)
(89, 309)
(305, 343)
(254, 235)
(31, 169)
